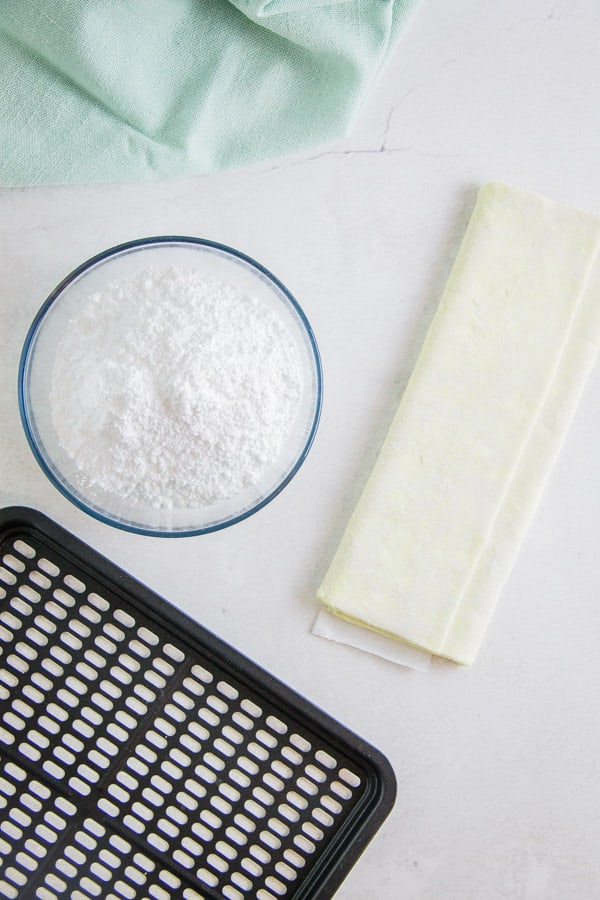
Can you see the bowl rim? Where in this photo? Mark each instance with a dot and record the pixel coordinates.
(27, 356)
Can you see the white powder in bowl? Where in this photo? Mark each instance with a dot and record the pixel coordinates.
(174, 390)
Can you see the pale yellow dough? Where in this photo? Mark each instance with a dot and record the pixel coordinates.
(433, 537)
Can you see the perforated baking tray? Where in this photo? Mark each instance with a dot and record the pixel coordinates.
(142, 757)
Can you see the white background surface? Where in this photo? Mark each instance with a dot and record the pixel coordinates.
(498, 765)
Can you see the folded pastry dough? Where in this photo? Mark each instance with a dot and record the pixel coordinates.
(436, 530)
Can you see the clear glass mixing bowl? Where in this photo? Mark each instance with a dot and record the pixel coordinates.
(119, 264)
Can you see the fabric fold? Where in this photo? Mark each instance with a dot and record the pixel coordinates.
(441, 519)
(127, 91)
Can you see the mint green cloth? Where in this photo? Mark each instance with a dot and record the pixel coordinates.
(120, 90)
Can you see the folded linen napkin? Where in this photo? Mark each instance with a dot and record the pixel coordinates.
(436, 530)
(116, 90)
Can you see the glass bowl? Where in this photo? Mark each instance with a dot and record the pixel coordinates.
(122, 508)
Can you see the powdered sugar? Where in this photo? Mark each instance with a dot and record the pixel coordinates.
(175, 390)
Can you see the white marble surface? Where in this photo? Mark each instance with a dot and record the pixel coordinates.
(497, 766)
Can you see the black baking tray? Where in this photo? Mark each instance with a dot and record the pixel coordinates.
(143, 757)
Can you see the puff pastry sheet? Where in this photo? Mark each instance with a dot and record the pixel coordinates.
(440, 521)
